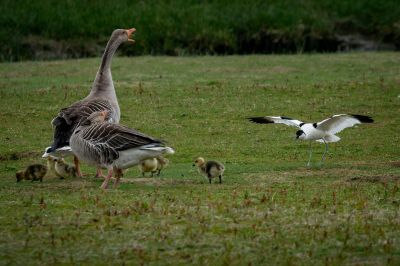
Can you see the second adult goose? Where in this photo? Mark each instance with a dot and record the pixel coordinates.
(102, 96)
(115, 147)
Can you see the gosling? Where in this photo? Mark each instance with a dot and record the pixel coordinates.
(148, 165)
(153, 165)
(63, 169)
(33, 172)
(51, 164)
(161, 164)
(211, 169)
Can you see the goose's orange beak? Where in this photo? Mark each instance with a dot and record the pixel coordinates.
(130, 32)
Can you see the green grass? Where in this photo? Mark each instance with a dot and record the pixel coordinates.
(270, 209)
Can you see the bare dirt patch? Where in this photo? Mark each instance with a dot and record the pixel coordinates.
(395, 164)
(374, 179)
(19, 155)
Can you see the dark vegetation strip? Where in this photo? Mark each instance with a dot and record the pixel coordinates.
(79, 28)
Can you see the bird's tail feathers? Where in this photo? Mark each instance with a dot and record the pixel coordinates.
(162, 149)
(50, 151)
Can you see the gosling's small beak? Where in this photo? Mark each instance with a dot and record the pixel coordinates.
(193, 165)
(130, 32)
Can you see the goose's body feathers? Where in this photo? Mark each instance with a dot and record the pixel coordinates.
(110, 145)
(68, 119)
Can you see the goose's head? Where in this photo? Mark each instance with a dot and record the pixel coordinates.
(95, 118)
(123, 35)
(199, 162)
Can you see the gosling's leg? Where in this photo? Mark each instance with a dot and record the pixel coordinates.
(309, 158)
(107, 179)
(209, 180)
(220, 179)
(77, 166)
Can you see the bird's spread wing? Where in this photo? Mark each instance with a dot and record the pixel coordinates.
(337, 123)
(277, 120)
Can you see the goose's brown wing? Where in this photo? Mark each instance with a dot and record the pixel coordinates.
(68, 119)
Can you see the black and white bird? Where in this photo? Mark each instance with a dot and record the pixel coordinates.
(324, 131)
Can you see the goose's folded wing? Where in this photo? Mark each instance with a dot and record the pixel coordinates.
(68, 118)
(276, 119)
(117, 137)
(337, 123)
(82, 109)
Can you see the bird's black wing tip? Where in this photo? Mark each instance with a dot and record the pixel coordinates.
(259, 120)
(363, 118)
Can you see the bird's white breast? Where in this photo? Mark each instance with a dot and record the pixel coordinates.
(312, 133)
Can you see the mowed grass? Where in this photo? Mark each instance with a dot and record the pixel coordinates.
(270, 209)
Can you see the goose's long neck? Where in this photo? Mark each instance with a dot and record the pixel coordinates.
(103, 85)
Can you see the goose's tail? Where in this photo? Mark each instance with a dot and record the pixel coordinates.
(158, 148)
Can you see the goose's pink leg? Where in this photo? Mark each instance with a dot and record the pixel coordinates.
(77, 166)
(108, 177)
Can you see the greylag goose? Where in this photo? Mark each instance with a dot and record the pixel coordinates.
(211, 169)
(112, 146)
(101, 97)
(324, 131)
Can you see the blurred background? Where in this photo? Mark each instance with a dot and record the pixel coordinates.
(54, 29)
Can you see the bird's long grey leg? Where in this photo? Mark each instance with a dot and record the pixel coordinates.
(108, 177)
(309, 158)
(326, 150)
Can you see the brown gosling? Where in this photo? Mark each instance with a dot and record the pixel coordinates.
(211, 169)
(33, 172)
(161, 164)
(64, 170)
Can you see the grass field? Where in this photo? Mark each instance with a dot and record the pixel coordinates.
(270, 209)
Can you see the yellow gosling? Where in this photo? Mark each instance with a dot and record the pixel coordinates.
(211, 169)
